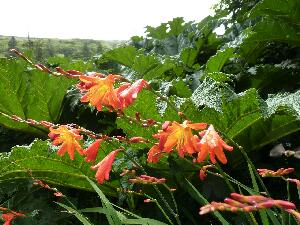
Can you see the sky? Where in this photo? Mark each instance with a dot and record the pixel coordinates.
(94, 19)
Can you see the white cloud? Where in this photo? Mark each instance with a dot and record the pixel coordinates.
(96, 19)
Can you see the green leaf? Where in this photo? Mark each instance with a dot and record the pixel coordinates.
(180, 89)
(74, 212)
(149, 67)
(189, 56)
(272, 216)
(210, 93)
(287, 10)
(29, 94)
(269, 78)
(266, 31)
(262, 213)
(143, 221)
(111, 214)
(218, 76)
(124, 55)
(36, 160)
(216, 62)
(159, 32)
(176, 26)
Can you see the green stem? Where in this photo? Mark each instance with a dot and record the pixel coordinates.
(161, 209)
(289, 199)
(172, 196)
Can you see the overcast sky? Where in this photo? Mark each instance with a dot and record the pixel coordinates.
(93, 19)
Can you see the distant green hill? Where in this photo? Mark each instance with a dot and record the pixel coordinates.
(43, 48)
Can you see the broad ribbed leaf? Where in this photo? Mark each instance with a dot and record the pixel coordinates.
(216, 62)
(287, 10)
(210, 93)
(123, 55)
(29, 94)
(36, 160)
(269, 78)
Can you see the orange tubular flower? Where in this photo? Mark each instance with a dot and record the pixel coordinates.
(92, 151)
(128, 93)
(154, 154)
(212, 144)
(100, 91)
(104, 167)
(68, 138)
(10, 216)
(179, 135)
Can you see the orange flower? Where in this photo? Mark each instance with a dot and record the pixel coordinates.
(100, 91)
(92, 151)
(179, 135)
(212, 144)
(128, 93)
(104, 167)
(10, 216)
(68, 138)
(154, 154)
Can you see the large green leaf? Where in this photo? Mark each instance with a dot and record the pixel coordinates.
(36, 160)
(267, 78)
(287, 10)
(146, 66)
(29, 94)
(210, 93)
(216, 62)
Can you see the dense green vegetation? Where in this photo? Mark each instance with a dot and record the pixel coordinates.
(44, 48)
(246, 82)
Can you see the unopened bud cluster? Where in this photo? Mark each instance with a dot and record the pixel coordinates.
(242, 203)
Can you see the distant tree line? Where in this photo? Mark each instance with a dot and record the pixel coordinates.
(42, 48)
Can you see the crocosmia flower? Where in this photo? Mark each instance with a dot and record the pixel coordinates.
(100, 91)
(128, 93)
(179, 136)
(67, 138)
(154, 154)
(104, 167)
(92, 151)
(212, 144)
